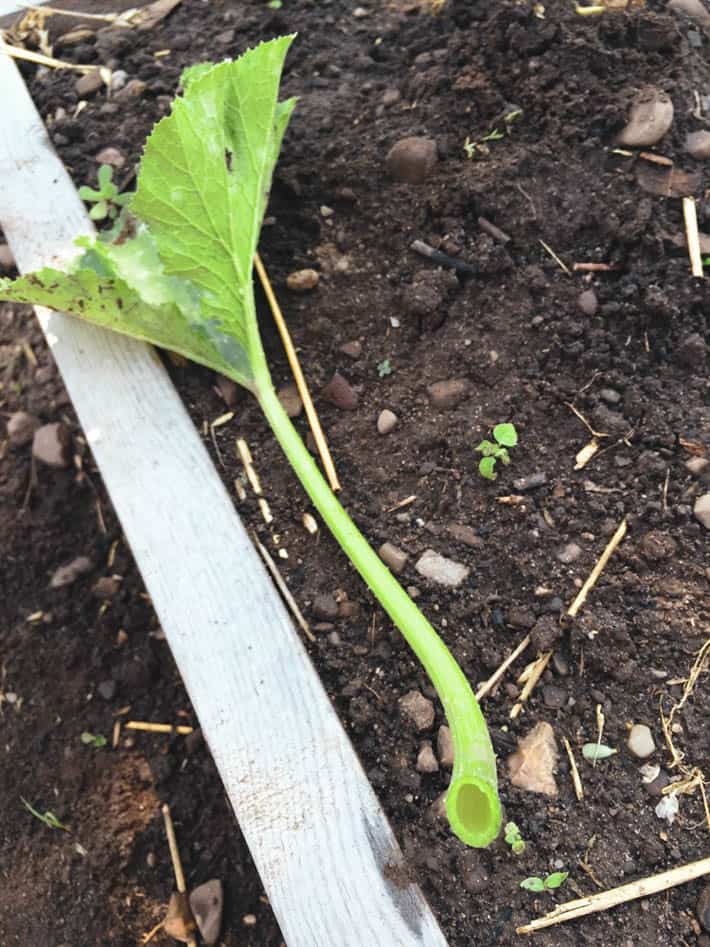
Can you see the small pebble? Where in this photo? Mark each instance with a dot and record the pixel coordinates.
(300, 281)
(119, 77)
(107, 689)
(569, 553)
(418, 709)
(554, 697)
(150, 860)
(111, 156)
(52, 445)
(465, 534)
(352, 349)
(21, 428)
(610, 395)
(448, 394)
(206, 903)
(697, 465)
(340, 393)
(531, 482)
(89, 84)
(412, 160)
(702, 908)
(560, 664)
(588, 302)
(133, 89)
(390, 97)
(70, 572)
(387, 421)
(532, 766)
(697, 144)
(290, 400)
(393, 557)
(325, 607)
(438, 568)
(249, 920)
(650, 118)
(106, 587)
(701, 510)
(426, 761)
(640, 741)
(445, 747)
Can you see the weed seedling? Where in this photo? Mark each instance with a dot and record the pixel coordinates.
(514, 838)
(384, 368)
(107, 200)
(505, 436)
(93, 739)
(555, 880)
(180, 275)
(49, 818)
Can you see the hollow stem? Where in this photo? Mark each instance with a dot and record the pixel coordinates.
(472, 803)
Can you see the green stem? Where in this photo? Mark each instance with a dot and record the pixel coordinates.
(472, 803)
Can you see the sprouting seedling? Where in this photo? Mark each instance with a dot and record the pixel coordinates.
(107, 200)
(180, 277)
(504, 436)
(555, 880)
(514, 838)
(384, 368)
(48, 818)
(597, 751)
(95, 740)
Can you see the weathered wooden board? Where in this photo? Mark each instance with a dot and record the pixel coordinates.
(320, 840)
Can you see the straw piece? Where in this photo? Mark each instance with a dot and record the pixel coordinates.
(488, 685)
(597, 570)
(532, 680)
(284, 589)
(17, 53)
(157, 727)
(252, 476)
(691, 231)
(303, 391)
(175, 857)
(558, 261)
(609, 899)
(576, 780)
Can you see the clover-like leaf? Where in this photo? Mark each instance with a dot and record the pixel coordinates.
(556, 879)
(505, 435)
(533, 884)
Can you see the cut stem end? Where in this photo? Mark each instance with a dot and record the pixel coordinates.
(474, 811)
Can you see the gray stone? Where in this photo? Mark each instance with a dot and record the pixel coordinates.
(340, 392)
(703, 908)
(290, 400)
(445, 747)
(352, 349)
(391, 97)
(697, 144)
(640, 741)
(554, 697)
(588, 302)
(569, 553)
(107, 689)
(106, 587)
(89, 84)
(206, 903)
(426, 761)
(697, 465)
(412, 160)
(650, 119)
(465, 534)
(692, 8)
(111, 156)
(439, 569)
(52, 445)
(393, 557)
(133, 89)
(531, 482)
(610, 395)
(387, 421)
(325, 607)
(701, 510)
(21, 428)
(447, 394)
(418, 709)
(70, 572)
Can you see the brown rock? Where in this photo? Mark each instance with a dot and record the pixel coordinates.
(445, 747)
(325, 606)
(352, 349)
(21, 428)
(447, 394)
(394, 558)
(111, 156)
(697, 144)
(207, 902)
(532, 766)
(70, 572)
(179, 922)
(340, 392)
(7, 260)
(426, 761)
(106, 587)
(387, 421)
(300, 281)
(412, 160)
(417, 708)
(692, 8)
(650, 118)
(52, 445)
(133, 89)
(290, 400)
(465, 534)
(89, 84)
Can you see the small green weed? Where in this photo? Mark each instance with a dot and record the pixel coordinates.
(94, 740)
(107, 200)
(514, 838)
(552, 881)
(49, 818)
(384, 368)
(505, 436)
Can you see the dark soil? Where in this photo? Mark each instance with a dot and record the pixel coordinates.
(636, 369)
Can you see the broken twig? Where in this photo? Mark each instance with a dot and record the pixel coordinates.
(597, 570)
(284, 589)
(157, 727)
(576, 779)
(443, 259)
(488, 685)
(533, 677)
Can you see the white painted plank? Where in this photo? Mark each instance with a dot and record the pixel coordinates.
(318, 835)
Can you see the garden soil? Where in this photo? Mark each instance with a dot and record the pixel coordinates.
(628, 360)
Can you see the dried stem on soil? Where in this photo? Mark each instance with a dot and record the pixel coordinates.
(17, 53)
(158, 727)
(595, 267)
(485, 688)
(303, 391)
(691, 232)
(597, 570)
(558, 261)
(532, 679)
(609, 899)
(175, 858)
(284, 589)
(576, 779)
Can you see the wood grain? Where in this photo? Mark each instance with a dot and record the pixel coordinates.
(323, 847)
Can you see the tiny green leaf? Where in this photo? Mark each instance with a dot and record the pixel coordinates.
(87, 738)
(511, 830)
(506, 435)
(597, 751)
(533, 884)
(275, 4)
(518, 846)
(99, 211)
(384, 368)
(487, 448)
(88, 193)
(105, 175)
(486, 468)
(503, 455)
(48, 818)
(556, 879)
